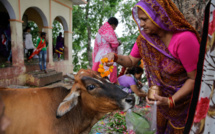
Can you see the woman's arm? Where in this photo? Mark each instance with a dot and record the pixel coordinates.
(186, 89)
(126, 61)
(137, 91)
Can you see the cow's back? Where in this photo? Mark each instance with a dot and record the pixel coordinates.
(33, 110)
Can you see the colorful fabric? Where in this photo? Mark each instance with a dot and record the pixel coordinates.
(4, 47)
(165, 127)
(59, 45)
(122, 72)
(4, 41)
(45, 43)
(162, 68)
(180, 50)
(126, 81)
(201, 118)
(105, 42)
(41, 45)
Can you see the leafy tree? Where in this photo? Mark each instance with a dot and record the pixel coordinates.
(130, 32)
(34, 31)
(86, 21)
(79, 38)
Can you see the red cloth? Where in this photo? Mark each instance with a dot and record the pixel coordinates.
(122, 72)
(39, 48)
(3, 41)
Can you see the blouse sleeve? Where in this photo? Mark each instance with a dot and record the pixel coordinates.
(135, 51)
(188, 51)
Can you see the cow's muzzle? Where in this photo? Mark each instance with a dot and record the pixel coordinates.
(128, 102)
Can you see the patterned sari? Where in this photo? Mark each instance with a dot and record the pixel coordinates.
(105, 42)
(161, 67)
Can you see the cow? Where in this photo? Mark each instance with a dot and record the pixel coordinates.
(4, 121)
(60, 111)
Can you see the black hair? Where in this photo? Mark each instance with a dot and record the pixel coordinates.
(134, 70)
(27, 28)
(60, 33)
(113, 20)
(43, 33)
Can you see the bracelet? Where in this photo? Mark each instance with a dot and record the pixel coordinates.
(115, 57)
(171, 102)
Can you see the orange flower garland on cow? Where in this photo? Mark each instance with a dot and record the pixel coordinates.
(102, 71)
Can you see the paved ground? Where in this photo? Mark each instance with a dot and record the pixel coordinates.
(66, 82)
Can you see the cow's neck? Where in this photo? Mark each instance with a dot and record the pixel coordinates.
(80, 120)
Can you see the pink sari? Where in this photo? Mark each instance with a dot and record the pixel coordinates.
(105, 42)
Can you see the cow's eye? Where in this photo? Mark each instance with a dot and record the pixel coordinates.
(90, 87)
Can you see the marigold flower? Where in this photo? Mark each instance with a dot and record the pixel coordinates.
(105, 59)
(111, 70)
(101, 66)
(107, 73)
(102, 75)
(101, 70)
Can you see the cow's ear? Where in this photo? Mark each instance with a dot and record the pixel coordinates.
(68, 103)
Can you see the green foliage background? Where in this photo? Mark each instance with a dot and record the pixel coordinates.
(87, 19)
(35, 31)
(98, 12)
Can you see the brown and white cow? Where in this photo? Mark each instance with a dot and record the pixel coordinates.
(4, 121)
(34, 110)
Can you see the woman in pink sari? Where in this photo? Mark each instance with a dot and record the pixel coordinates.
(169, 47)
(106, 42)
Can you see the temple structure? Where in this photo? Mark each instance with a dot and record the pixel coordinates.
(14, 17)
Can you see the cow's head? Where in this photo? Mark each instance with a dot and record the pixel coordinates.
(96, 94)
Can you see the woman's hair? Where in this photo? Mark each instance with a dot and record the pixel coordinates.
(134, 70)
(113, 20)
(43, 33)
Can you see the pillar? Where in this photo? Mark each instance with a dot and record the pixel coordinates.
(48, 32)
(68, 46)
(17, 43)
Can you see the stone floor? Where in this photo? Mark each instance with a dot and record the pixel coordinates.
(65, 82)
(33, 61)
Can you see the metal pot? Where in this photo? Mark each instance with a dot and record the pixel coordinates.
(153, 90)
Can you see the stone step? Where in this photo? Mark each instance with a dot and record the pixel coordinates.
(40, 78)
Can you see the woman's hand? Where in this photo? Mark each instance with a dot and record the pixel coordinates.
(110, 57)
(160, 100)
(126, 61)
